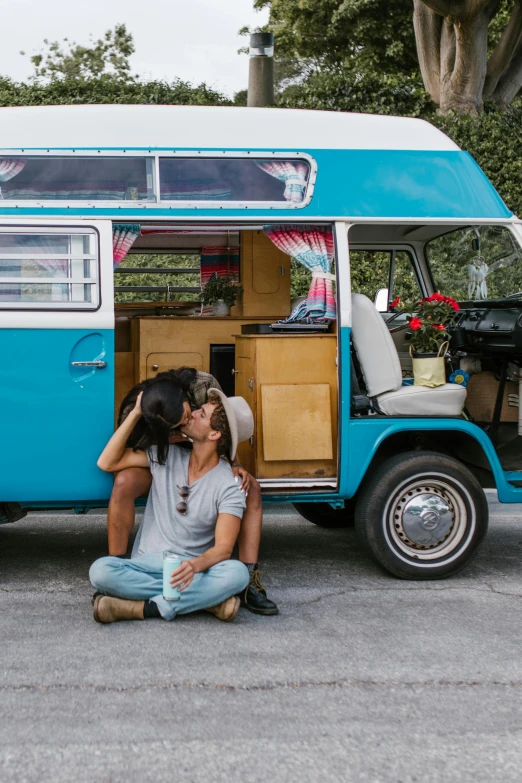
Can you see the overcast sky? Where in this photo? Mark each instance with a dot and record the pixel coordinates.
(194, 40)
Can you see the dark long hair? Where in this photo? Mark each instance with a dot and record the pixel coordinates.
(162, 408)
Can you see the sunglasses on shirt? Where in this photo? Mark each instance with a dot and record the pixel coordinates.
(182, 506)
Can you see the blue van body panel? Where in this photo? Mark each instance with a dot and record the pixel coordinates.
(351, 183)
(360, 438)
(55, 419)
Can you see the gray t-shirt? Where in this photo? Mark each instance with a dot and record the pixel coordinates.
(191, 534)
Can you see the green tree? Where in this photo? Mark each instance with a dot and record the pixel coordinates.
(467, 51)
(108, 56)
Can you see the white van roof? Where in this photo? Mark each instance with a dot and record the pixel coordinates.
(210, 127)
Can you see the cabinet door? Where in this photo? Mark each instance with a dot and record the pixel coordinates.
(270, 266)
(159, 362)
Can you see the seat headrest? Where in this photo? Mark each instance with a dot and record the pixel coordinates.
(375, 348)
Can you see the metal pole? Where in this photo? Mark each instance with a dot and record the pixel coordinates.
(261, 70)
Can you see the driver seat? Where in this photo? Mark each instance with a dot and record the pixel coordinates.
(381, 369)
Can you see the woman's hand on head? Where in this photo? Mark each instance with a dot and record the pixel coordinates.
(137, 408)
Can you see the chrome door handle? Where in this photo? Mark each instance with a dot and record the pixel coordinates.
(98, 364)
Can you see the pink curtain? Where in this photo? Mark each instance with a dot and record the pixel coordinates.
(313, 247)
(124, 236)
(9, 168)
(294, 175)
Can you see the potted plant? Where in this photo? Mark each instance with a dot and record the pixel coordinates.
(221, 293)
(429, 321)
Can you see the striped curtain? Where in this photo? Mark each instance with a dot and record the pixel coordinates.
(9, 168)
(124, 236)
(313, 247)
(217, 262)
(294, 175)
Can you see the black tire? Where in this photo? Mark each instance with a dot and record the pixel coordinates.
(390, 522)
(324, 515)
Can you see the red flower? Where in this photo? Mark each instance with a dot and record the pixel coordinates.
(440, 327)
(452, 303)
(436, 297)
(415, 323)
(396, 302)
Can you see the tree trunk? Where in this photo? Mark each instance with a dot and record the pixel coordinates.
(452, 40)
(511, 82)
(427, 25)
(462, 91)
(504, 50)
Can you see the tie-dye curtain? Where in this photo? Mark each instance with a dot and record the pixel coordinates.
(124, 236)
(313, 247)
(9, 168)
(294, 175)
(216, 262)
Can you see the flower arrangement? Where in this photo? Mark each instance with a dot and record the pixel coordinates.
(429, 321)
(225, 288)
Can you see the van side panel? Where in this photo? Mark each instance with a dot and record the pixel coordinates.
(369, 183)
(55, 419)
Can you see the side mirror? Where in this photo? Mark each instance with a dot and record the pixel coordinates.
(381, 300)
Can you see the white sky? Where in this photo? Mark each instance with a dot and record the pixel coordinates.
(194, 40)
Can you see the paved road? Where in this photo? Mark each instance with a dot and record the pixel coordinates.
(360, 678)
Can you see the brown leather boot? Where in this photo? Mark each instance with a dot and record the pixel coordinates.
(226, 610)
(109, 610)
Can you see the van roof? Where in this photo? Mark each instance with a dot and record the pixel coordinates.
(210, 127)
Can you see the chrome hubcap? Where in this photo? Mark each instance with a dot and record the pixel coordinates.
(427, 518)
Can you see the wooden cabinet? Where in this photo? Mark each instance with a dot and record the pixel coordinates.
(265, 276)
(290, 383)
(162, 343)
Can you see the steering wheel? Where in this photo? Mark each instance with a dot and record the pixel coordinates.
(396, 328)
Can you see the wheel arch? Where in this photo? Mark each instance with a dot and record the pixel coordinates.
(457, 442)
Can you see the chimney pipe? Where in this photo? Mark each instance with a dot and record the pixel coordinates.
(261, 70)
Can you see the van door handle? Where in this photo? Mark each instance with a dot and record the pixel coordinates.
(98, 364)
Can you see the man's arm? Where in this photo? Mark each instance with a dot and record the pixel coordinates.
(227, 531)
(115, 456)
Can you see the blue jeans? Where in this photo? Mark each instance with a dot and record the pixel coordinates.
(141, 578)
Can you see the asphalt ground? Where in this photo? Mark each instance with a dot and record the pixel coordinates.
(361, 677)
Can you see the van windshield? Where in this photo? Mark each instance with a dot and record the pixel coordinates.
(476, 263)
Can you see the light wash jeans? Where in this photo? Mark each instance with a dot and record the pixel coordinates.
(141, 578)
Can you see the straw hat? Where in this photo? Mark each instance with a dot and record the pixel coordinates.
(240, 419)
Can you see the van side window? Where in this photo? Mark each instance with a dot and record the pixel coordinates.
(234, 179)
(384, 270)
(77, 178)
(55, 270)
(476, 263)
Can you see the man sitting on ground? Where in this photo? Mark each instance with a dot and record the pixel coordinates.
(194, 509)
(191, 386)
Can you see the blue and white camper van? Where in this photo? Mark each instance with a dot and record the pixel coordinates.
(111, 219)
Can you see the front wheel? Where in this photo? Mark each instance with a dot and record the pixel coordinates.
(422, 515)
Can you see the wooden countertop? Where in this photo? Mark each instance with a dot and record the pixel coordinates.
(205, 318)
(285, 334)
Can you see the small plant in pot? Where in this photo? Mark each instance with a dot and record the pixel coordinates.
(429, 321)
(221, 293)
